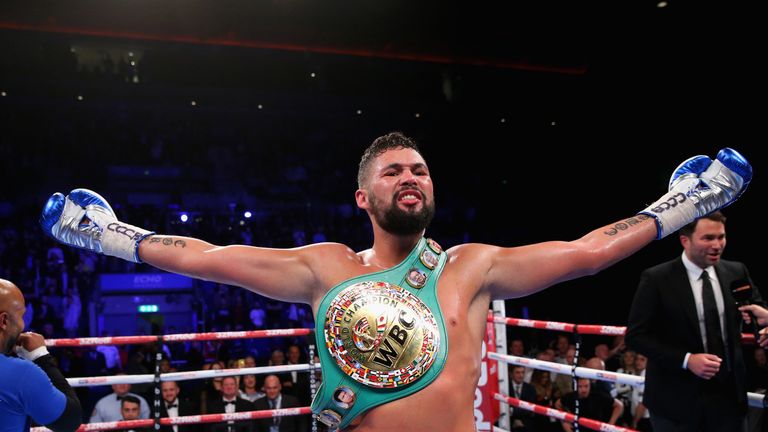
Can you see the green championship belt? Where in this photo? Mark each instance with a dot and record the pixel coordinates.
(384, 334)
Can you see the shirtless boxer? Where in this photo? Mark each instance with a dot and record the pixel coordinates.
(408, 351)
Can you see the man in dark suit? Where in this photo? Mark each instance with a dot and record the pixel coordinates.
(276, 400)
(685, 320)
(521, 420)
(296, 383)
(174, 405)
(230, 402)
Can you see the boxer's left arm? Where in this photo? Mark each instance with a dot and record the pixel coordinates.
(520, 271)
(48, 398)
(697, 187)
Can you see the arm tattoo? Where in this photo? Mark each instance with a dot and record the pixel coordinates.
(625, 225)
(168, 241)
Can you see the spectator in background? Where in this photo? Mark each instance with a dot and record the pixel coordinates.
(592, 404)
(229, 401)
(111, 355)
(641, 418)
(276, 400)
(173, 405)
(521, 420)
(295, 383)
(72, 311)
(130, 409)
(109, 408)
(249, 389)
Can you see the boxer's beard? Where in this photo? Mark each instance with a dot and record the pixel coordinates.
(395, 220)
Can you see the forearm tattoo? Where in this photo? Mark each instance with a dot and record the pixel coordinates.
(625, 225)
(168, 241)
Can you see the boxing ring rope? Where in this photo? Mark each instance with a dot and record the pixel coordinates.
(183, 376)
(186, 376)
(755, 399)
(178, 337)
(593, 329)
(560, 415)
(188, 420)
(564, 369)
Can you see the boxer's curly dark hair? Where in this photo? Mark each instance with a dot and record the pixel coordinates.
(392, 140)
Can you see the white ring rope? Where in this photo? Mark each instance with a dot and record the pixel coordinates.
(560, 415)
(188, 420)
(754, 399)
(564, 369)
(185, 376)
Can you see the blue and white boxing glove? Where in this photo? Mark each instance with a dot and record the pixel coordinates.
(86, 220)
(698, 187)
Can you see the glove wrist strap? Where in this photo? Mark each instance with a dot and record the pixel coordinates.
(672, 211)
(122, 240)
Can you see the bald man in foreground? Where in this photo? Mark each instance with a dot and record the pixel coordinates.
(31, 385)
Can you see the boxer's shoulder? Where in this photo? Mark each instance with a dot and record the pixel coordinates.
(471, 255)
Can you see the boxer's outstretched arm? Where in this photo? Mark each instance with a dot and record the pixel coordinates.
(519, 271)
(283, 274)
(84, 219)
(697, 187)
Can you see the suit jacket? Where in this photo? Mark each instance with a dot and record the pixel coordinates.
(186, 408)
(299, 389)
(288, 423)
(216, 406)
(528, 394)
(664, 326)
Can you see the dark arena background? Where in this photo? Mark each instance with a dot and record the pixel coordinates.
(243, 122)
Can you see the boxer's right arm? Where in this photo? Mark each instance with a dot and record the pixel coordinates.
(85, 220)
(282, 274)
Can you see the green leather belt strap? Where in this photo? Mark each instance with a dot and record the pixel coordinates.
(402, 302)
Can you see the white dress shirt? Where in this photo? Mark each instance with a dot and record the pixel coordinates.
(694, 277)
(173, 411)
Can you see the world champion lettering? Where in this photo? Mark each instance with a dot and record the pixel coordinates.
(120, 229)
(363, 302)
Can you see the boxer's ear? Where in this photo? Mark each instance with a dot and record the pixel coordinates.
(361, 198)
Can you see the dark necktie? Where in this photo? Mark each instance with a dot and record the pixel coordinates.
(272, 405)
(715, 343)
(229, 403)
(169, 406)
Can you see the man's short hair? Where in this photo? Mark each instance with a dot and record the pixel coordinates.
(390, 141)
(131, 399)
(688, 230)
